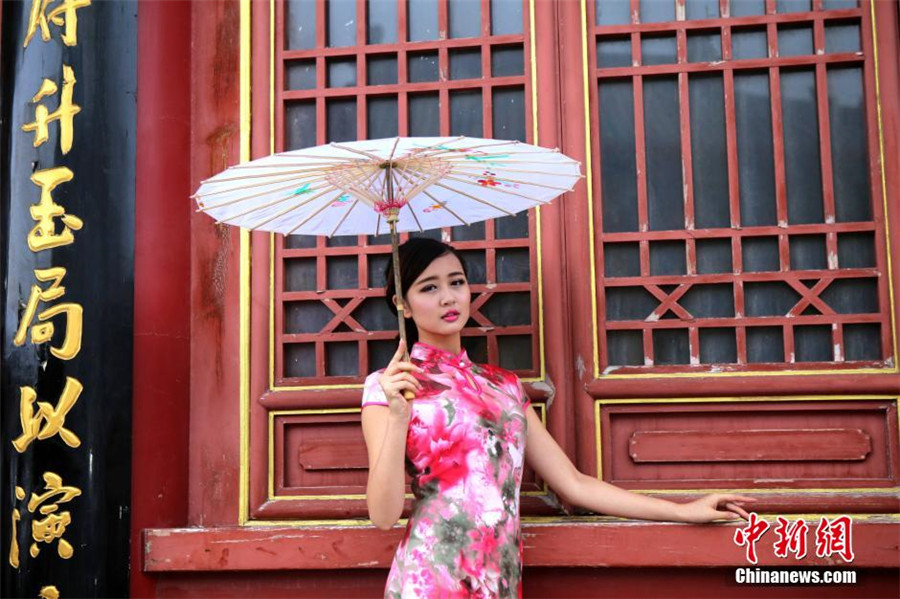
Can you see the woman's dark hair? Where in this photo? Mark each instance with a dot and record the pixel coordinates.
(415, 256)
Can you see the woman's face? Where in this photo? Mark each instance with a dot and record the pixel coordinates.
(439, 292)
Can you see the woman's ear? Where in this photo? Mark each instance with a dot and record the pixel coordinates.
(405, 312)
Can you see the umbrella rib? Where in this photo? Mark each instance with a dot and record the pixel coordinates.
(291, 209)
(512, 193)
(394, 149)
(370, 178)
(264, 206)
(249, 165)
(477, 199)
(307, 219)
(242, 199)
(408, 175)
(359, 188)
(419, 151)
(383, 185)
(490, 160)
(409, 205)
(290, 155)
(459, 169)
(441, 141)
(315, 169)
(417, 188)
(296, 181)
(553, 187)
(343, 176)
(355, 151)
(343, 218)
(468, 149)
(415, 218)
(445, 207)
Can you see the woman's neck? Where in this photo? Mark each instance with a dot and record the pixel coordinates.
(450, 343)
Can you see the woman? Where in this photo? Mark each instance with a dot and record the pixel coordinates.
(464, 438)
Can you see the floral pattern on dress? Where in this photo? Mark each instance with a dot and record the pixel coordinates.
(465, 452)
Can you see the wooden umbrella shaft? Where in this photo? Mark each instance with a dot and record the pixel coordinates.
(392, 217)
(397, 285)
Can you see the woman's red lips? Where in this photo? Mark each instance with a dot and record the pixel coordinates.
(452, 315)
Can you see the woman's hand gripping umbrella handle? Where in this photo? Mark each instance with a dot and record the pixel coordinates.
(398, 381)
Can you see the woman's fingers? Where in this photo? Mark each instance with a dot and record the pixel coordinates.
(397, 357)
(738, 510)
(408, 378)
(733, 503)
(400, 382)
(733, 497)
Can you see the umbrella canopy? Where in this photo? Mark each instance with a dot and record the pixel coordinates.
(356, 188)
(387, 185)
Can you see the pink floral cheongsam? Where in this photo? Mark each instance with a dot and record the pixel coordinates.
(464, 451)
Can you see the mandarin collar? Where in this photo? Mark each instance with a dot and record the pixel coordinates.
(429, 353)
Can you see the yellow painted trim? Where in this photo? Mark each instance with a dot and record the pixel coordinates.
(537, 209)
(589, 184)
(272, 78)
(534, 101)
(890, 491)
(270, 479)
(671, 375)
(884, 192)
(271, 310)
(762, 516)
(568, 520)
(244, 276)
(360, 386)
(745, 399)
(893, 368)
(271, 151)
(598, 445)
(748, 399)
(313, 523)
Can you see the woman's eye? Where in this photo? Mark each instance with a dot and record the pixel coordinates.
(457, 282)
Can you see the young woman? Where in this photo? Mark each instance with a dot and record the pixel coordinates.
(464, 439)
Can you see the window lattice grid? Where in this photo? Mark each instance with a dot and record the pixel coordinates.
(373, 69)
(726, 131)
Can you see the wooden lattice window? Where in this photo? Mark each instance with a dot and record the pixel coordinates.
(742, 218)
(368, 69)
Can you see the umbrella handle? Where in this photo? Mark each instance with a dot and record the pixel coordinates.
(392, 221)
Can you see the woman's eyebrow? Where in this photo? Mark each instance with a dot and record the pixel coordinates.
(435, 277)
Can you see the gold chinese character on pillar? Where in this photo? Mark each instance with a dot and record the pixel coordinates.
(49, 421)
(62, 15)
(64, 113)
(43, 332)
(14, 542)
(43, 235)
(49, 592)
(53, 525)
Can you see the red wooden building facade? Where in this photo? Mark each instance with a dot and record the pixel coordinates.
(714, 307)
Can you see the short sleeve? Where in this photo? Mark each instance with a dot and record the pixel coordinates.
(373, 394)
(523, 396)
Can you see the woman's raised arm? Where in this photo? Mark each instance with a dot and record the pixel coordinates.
(384, 428)
(551, 463)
